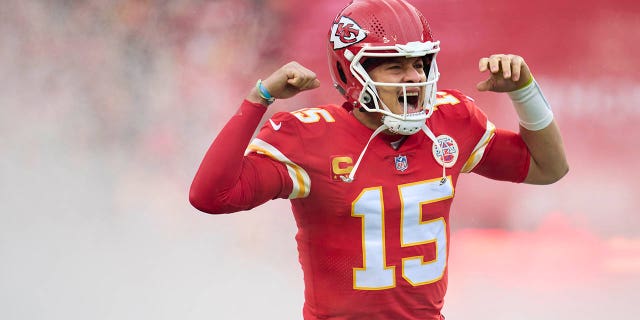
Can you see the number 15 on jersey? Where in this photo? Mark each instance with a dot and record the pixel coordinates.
(369, 206)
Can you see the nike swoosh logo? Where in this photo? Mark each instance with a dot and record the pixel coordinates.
(275, 126)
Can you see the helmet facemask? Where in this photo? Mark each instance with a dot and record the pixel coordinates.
(369, 99)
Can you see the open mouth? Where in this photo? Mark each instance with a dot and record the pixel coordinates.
(412, 99)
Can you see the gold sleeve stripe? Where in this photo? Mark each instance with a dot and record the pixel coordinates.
(299, 177)
(478, 151)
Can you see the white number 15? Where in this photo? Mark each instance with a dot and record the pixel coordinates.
(369, 206)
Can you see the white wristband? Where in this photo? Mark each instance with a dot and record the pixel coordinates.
(533, 109)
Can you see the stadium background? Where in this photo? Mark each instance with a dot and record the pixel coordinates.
(106, 108)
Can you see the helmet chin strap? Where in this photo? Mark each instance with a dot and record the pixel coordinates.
(406, 127)
(384, 127)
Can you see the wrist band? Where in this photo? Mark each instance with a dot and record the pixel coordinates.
(533, 109)
(264, 94)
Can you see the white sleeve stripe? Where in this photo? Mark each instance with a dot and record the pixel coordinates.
(478, 151)
(299, 177)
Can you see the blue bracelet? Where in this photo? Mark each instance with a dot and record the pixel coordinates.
(264, 93)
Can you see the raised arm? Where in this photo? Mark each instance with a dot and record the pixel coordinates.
(538, 129)
(227, 180)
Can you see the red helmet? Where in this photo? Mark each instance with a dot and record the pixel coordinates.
(378, 28)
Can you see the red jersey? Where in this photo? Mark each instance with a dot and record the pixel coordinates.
(377, 247)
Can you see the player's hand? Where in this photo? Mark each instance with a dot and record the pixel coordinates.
(509, 72)
(286, 82)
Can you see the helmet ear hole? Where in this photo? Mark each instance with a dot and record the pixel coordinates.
(341, 74)
(366, 98)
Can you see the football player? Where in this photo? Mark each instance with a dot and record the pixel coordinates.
(371, 180)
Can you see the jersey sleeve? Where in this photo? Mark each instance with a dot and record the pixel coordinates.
(280, 140)
(505, 157)
(227, 180)
(498, 154)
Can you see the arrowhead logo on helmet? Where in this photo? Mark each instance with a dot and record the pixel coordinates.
(346, 32)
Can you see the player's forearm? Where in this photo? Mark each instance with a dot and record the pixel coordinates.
(222, 165)
(548, 160)
(540, 133)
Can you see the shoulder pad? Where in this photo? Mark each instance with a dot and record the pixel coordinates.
(451, 98)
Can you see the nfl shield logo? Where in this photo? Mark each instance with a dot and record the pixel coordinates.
(401, 163)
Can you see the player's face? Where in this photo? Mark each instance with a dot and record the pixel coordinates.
(400, 70)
